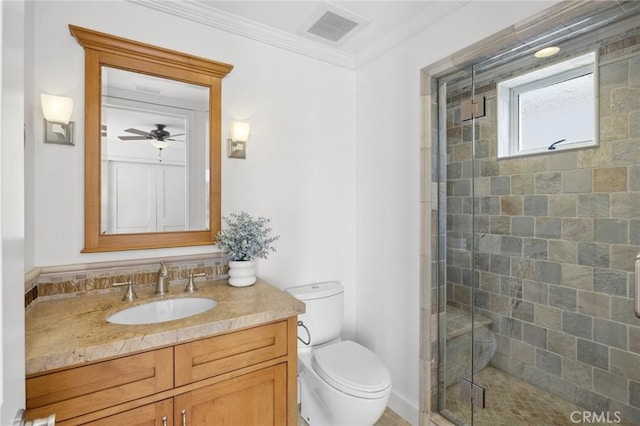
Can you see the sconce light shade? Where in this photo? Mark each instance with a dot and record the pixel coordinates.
(56, 108)
(57, 113)
(240, 131)
(237, 145)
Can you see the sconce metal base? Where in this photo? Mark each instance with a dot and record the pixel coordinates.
(59, 133)
(236, 149)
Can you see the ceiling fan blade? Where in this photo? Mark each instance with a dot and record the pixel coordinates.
(178, 134)
(140, 132)
(132, 138)
(173, 140)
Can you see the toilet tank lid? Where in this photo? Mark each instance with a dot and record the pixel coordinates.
(315, 291)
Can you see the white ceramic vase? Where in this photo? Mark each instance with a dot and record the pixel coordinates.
(242, 273)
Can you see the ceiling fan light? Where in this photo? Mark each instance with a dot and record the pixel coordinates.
(159, 144)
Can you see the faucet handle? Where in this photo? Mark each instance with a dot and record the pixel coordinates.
(129, 295)
(163, 269)
(191, 286)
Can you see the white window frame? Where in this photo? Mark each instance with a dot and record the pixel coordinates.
(508, 104)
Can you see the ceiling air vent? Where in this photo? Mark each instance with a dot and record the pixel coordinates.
(332, 26)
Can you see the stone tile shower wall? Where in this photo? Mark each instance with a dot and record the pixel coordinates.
(556, 237)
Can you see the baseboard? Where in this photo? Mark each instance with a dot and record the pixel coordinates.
(404, 407)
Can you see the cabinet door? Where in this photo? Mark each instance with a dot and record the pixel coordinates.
(254, 399)
(158, 414)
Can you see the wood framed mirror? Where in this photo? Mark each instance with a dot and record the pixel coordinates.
(152, 145)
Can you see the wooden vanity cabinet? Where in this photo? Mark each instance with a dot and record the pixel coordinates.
(251, 399)
(246, 377)
(254, 398)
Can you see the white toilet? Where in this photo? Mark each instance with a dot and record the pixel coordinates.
(341, 382)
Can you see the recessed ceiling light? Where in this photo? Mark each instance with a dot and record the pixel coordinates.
(546, 52)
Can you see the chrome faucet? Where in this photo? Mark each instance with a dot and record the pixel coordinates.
(162, 285)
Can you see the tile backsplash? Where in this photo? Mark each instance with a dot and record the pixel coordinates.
(79, 279)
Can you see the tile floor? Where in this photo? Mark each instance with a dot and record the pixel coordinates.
(513, 402)
(389, 418)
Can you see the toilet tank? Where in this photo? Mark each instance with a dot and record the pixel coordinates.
(323, 316)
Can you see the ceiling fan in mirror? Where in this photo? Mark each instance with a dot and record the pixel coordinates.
(158, 137)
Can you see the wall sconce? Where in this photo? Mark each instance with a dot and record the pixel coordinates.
(57, 113)
(237, 145)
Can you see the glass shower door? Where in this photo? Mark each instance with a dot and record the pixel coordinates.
(456, 280)
(556, 231)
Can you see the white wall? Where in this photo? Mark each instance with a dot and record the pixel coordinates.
(299, 171)
(387, 187)
(12, 141)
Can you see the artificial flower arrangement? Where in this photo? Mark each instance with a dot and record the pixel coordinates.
(246, 238)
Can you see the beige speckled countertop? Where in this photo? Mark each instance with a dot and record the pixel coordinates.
(68, 331)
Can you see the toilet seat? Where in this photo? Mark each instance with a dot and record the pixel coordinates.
(352, 369)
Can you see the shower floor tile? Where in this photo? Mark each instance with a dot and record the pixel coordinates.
(513, 402)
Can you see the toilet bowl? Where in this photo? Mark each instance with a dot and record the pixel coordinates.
(342, 383)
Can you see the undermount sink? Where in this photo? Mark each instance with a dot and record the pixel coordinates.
(162, 310)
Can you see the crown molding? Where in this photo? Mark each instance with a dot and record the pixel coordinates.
(436, 12)
(207, 15)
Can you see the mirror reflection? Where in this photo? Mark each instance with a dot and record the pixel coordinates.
(154, 154)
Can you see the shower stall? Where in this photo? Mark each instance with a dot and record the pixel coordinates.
(535, 228)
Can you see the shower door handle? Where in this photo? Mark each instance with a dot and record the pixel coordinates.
(637, 280)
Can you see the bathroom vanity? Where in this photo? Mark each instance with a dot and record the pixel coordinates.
(233, 364)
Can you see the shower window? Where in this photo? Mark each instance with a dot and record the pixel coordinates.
(549, 109)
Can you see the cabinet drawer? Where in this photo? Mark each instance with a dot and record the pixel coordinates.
(147, 415)
(81, 390)
(220, 354)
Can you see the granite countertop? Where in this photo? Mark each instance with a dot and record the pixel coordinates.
(66, 332)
